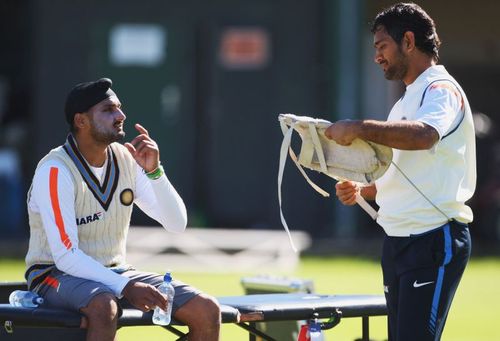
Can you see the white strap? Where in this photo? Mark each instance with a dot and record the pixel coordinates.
(284, 146)
(366, 206)
(285, 129)
(317, 147)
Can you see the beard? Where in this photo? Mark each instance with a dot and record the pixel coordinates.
(106, 136)
(399, 67)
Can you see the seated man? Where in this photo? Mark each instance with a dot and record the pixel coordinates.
(79, 206)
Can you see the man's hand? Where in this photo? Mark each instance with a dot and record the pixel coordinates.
(144, 150)
(143, 296)
(346, 192)
(343, 132)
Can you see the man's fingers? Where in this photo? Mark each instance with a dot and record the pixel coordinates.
(346, 192)
(152, 299)
(328, 133)
(144, 144)
(161, 301)
(130, 147)
(152, 303)
(139, 138)
(344, 196)
(142, 296)
(139, 143)
(348, 199)
(141, 129)
(344, 185)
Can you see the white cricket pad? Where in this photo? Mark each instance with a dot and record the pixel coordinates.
(362, 161)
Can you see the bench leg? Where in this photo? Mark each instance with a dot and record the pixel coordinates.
(365, 336)
(182, 336)
(254, 331)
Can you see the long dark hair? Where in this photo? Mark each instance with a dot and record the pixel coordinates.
(404, 17)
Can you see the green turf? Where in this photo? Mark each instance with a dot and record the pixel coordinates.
(473, 316)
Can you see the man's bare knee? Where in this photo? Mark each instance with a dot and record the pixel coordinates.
(202, 311)
(202, 316)
(102, 309)
(212, 308)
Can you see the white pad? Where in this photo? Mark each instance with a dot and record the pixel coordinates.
(362, 161)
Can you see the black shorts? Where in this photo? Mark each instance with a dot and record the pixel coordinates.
(421, 275)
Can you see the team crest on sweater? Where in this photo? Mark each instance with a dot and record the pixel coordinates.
(127, 197)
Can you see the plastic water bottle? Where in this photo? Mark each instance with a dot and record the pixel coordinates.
(160, 316)
(311, 331)
(315, 331)
(27, 299)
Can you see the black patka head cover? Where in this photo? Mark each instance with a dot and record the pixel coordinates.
(85, 95)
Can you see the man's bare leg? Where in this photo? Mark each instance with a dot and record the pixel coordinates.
(102, 316)
(202, 315)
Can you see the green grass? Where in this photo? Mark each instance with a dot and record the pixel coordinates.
(473, 316)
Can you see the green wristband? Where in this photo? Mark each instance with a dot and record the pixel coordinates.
(156, 174)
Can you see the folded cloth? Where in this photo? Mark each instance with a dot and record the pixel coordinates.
(361, 161)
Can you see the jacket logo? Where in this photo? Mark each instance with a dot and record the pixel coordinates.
(88, 219)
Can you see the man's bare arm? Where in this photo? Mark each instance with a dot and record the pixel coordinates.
(369, 192)
(404, 135)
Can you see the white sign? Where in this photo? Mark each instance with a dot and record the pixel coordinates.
(137, 45)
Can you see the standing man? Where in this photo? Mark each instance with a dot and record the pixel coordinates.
(79, 206)
(422, 195)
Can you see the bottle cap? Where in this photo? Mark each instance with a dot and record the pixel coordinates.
(167, 277)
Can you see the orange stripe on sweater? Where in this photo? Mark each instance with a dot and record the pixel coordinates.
(54, 198)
